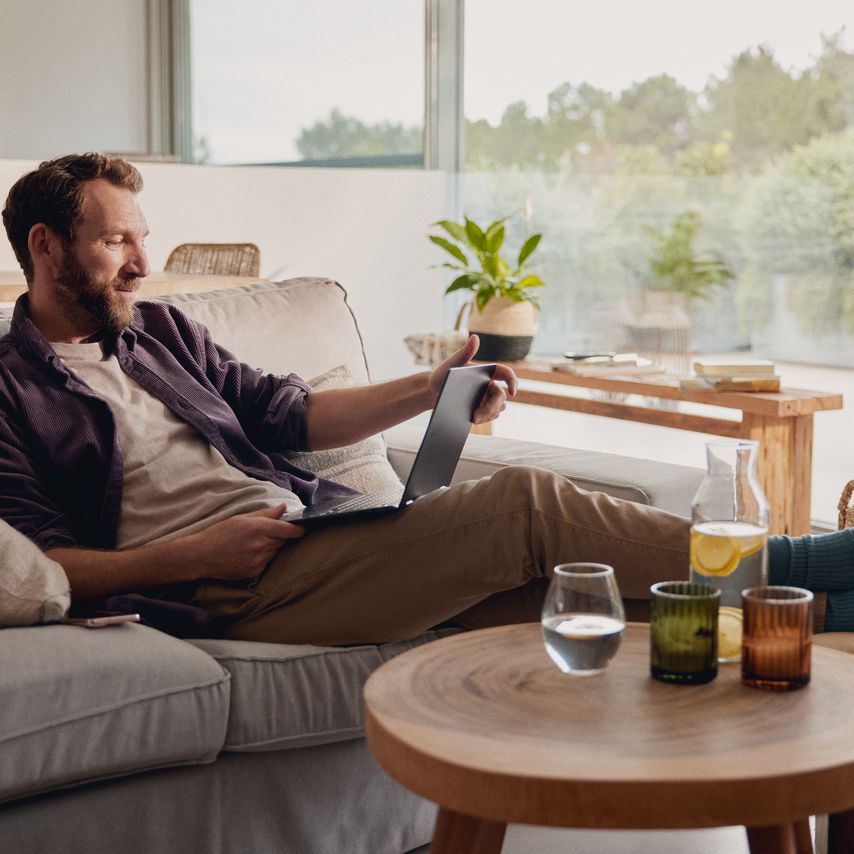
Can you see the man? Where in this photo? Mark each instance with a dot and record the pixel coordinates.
(144, 458)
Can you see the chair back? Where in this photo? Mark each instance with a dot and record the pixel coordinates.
(218, 259)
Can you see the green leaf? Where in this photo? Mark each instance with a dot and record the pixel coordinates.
(531, 281)
(467, 281)
(476, 238)
(455, 229)
(494, 237)
(452, 248)
(528, 247)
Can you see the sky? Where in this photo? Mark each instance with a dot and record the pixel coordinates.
(255, 87)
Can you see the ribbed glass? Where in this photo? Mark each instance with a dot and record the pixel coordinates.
(777, 639)
(684, 629)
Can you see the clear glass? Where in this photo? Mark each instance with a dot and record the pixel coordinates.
(729, 534)
(683, 632)
(583, 618)
(777, 648)
(281, 81)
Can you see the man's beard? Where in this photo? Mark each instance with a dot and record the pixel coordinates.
(89, 300)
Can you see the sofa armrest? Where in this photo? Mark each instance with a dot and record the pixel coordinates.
(664, 485)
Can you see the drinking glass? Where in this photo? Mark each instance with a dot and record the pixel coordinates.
(684, 632)
(583, 618)
(777, 639)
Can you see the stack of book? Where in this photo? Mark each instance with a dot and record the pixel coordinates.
(733, 375)
(606, 365)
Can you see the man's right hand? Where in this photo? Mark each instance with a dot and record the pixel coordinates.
(232, 550)
(240, 547)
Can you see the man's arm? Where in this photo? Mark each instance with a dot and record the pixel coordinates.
(231, 550)
(345, 415)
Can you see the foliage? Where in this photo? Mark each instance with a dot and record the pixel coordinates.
(493, 275)
(346, 136)
(676, 264)
(798, 220)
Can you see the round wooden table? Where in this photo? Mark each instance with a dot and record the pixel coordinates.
(484, 724)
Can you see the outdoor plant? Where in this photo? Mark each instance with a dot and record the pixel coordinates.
(483, 269)
(676, 264)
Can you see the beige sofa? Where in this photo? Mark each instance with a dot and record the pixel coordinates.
(127, 739)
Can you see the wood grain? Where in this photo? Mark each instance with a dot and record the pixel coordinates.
(485, 725)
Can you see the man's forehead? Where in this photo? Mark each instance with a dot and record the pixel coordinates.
(106, 206)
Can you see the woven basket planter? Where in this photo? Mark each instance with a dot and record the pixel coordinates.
(506, 329)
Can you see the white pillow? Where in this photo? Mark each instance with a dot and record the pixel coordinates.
(33, 588)
(363, 466)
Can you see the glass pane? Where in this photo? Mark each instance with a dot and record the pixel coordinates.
(284, 81)
(696, 154)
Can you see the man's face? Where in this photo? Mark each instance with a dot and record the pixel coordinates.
(102, 267)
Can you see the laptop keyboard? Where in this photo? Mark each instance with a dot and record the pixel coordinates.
(361, 502)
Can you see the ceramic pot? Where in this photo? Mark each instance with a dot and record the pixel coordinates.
(506, 329)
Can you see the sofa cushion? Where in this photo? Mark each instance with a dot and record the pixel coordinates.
(667, 486)
(286, 695)
(33, 588)
(82, 704)
(304, 326)
(363, 465)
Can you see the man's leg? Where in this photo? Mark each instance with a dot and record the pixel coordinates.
(396, 576)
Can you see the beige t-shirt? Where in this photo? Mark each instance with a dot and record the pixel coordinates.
(175, 483)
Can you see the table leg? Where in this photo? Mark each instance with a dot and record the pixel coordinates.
(464, 834)
(784, 468)
(779, 839)
(803, 837)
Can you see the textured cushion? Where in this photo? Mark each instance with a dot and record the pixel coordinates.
(287, 695)
(302, 325)
(82, 704)
(364, 465)
(33, 588)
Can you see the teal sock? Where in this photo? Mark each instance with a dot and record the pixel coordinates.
(813, 561)
(839, 616)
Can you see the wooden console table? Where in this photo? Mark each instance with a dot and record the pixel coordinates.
(782, 423)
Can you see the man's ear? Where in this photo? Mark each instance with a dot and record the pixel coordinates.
(44, 245)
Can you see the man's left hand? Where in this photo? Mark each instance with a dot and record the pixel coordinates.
(502, 386)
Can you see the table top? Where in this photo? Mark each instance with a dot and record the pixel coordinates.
(786, 402)
(13, 284)
(484, 724)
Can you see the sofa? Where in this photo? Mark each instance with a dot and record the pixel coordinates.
(128, 739)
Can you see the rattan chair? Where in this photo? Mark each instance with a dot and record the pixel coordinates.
(218, 259)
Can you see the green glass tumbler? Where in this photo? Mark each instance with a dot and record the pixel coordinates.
(684, 632)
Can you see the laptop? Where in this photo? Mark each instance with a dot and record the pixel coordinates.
(435, 462)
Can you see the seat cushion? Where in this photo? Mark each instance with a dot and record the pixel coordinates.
(286, 695)
(83, 704)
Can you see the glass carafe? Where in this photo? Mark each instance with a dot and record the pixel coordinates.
(729, 534)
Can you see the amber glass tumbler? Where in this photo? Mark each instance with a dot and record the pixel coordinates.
(777, 637)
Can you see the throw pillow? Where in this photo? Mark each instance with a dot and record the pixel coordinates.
(33, 588)
(363, 466)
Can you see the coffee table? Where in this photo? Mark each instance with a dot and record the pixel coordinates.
(483, 724)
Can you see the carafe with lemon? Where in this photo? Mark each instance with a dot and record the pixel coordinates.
(729, 534)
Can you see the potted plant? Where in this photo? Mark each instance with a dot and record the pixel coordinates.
(503, 311)
(677, 273)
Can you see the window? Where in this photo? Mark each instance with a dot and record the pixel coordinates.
(647, 139)
(321, 83)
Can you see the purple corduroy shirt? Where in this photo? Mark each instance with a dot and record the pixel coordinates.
(61, 469)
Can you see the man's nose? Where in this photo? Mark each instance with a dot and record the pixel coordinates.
(137, 264)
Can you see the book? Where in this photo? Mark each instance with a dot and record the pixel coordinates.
(735, 367)
(733, 383)
(626, 367)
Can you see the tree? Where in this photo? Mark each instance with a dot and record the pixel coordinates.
(346, 136)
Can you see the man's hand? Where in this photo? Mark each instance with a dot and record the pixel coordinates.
(240, 547)
(503, 384)
(234, 549)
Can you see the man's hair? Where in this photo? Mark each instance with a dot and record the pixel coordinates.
(53, 195)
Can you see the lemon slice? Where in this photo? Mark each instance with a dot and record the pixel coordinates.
(729, 632)
(750, 545)
(714, 555)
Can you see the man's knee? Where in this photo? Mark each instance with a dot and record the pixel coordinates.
(530, 481)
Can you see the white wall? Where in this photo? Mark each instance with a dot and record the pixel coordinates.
(72, 77)
(365, 228)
